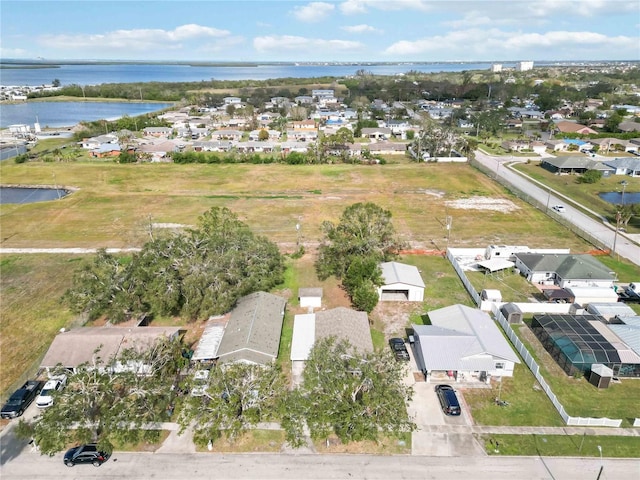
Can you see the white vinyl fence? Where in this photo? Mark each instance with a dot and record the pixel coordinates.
(531, 363)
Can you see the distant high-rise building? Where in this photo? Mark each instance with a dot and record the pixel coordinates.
(496, 67)
(524, 66)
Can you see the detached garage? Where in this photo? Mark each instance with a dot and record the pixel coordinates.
(402, 283)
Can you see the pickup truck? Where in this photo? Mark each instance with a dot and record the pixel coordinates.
(21, 399)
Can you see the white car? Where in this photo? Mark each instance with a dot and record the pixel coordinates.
(45, 399)
(559, 208)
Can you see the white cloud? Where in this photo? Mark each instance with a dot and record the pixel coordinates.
(362, 28)
(290, 43)
(313, 12)
(350, 7)
(138, 39)
(14, 53)
(534, 12)
(480, 43)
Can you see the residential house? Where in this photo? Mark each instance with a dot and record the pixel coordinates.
(101, 347)
(106, 150)
(226, 134)
(564, 270)
(157, 132)
(254, 135)
(212, 146)
(386, 148)
(320, 94)
(572, 127)
(379, 133)
(625, 166)
(462, 343)
(255, 147)
(252, 334)
(402, 282)
(574, 165)
(95, 142)
(340, 323)
(629, 127)
(232, 100)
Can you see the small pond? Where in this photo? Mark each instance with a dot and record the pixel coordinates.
(615, 198)
(30, 195)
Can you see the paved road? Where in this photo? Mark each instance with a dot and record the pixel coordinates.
(605, 233)
(30, 465)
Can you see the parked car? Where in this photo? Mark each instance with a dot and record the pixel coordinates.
(88, 453)
(559, 208)
(54, 384)
(399, 349)
(21, 399)
(448, 400)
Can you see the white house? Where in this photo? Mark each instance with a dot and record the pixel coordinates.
(462, 343)
(564, 270)
(402, 282)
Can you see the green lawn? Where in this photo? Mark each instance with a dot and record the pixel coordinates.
(579, 397)
(513, 286)
(528, 404)
(561, 445)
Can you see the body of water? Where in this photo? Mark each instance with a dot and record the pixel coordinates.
(616, 198)
(30, 195)
(95, 74)
(68, 114)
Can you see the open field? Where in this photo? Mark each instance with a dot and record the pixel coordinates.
(115, 204)
(31, 312)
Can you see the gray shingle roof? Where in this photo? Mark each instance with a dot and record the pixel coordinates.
(253, 332)
(78, 346)
(344, 323)
(567, 266)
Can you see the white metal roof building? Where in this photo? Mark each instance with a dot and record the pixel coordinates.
(463, 340)
(402, 282)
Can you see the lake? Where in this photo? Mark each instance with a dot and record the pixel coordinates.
(615, 198)
(68, 114)
(95, 74)
(30, 195)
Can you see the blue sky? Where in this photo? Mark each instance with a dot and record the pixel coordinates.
(343, 30)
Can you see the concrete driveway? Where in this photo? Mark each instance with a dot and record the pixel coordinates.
(437, 435)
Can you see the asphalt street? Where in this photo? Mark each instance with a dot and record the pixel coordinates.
(605, 233)
(31, 465)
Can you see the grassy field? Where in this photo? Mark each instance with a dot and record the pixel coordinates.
(115, 204)
(561, 445)
(31, 312)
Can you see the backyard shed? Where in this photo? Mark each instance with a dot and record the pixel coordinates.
(310, 297)
(402, 282)
(511, 312)
(600, 375)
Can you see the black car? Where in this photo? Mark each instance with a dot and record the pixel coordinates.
(88, 453)
(21, 399)
(399, 349)
(448, 399)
